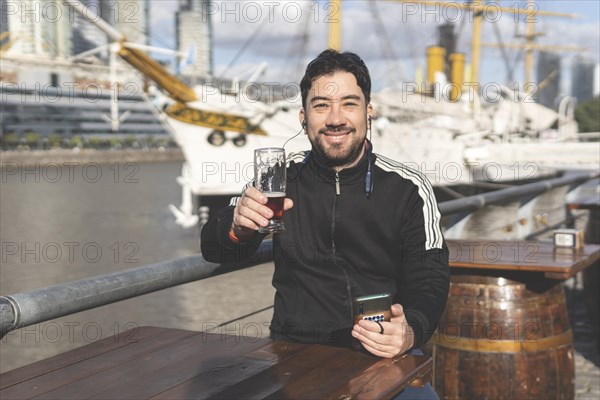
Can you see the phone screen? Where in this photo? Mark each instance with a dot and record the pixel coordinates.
(374, 307)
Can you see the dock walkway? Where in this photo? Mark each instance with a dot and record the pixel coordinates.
(587, 358)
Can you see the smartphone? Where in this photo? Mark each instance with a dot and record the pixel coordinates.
(375, 307)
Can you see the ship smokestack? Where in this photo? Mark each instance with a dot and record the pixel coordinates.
(457, 75)
(447, 40)
(436, 57)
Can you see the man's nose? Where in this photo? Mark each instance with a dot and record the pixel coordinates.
(336, 116)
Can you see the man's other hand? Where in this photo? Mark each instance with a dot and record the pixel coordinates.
(397, 337)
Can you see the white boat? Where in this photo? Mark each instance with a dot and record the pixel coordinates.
(509, 140)
(453, 143)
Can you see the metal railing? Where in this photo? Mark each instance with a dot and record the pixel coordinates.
(476, 202)
(28, 308)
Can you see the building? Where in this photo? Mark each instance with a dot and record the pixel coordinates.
(50, 29)
(130, 17)
(582, 83)
(194, 36)
(548, 78)
(46, 93)
(85, 35)
(45, 34)
(39, 27)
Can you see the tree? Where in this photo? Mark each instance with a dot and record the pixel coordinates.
(587, 115)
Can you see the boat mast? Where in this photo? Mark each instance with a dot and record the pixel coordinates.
(477, 7)
(531, 34)
(476, 44)
(530, 46)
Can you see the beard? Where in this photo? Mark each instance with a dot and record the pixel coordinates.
(338, 154)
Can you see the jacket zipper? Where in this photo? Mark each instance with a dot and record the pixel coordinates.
(333, 248)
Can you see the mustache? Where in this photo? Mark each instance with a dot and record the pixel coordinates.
(336, 129)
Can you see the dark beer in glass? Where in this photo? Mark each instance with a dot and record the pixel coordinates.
(275, 203)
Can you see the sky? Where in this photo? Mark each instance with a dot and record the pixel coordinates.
(277, 28)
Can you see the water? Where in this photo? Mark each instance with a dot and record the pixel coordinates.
(60, 223)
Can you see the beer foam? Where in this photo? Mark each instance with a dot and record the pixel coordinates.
(275, 194)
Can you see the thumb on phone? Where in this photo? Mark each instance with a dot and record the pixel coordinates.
(397, 313)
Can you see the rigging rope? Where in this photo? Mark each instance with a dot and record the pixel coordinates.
(304, 39)
(387, 49)
(241, 51)
(503, 51)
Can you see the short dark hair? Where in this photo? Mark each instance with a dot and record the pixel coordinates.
(331, 61)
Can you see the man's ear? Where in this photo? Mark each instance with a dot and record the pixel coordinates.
(370, 115)
(302, 118)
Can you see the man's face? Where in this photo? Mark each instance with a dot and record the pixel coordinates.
(336, 119)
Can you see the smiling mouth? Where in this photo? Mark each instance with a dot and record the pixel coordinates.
(336, 133)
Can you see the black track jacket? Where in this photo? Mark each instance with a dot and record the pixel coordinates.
(341, 243)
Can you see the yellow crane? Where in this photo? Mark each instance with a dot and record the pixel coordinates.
(138, 59)
(177, 90)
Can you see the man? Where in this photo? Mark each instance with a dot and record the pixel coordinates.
(356, 224)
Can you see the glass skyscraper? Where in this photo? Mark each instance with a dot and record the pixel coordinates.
(194, 35)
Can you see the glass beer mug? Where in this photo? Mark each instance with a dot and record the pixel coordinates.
(270, 179)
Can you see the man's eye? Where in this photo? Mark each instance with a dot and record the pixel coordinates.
(321, 105)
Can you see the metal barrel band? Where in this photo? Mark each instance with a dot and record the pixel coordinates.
(503, 346)
(498, 303)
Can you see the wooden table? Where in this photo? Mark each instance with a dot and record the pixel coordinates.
(505, 332)
(164, 363)
(516, 255)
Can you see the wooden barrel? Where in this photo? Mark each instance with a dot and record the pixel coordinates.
(501, 339)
